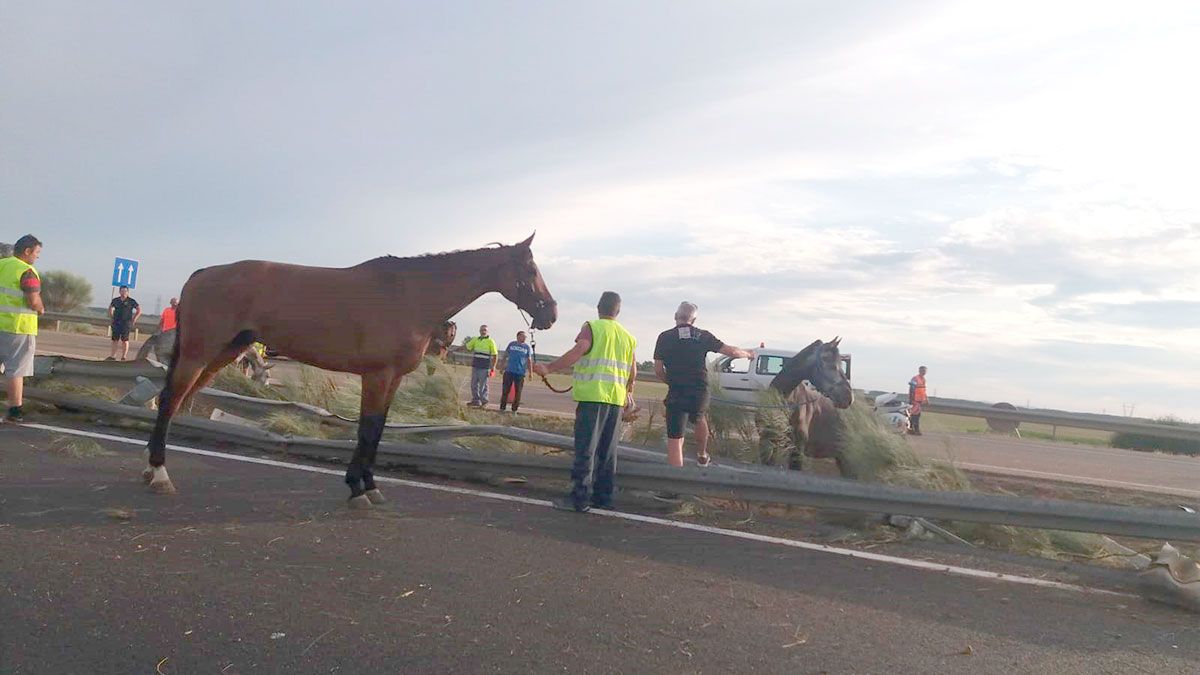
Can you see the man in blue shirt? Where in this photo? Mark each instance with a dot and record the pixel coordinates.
(516, 363)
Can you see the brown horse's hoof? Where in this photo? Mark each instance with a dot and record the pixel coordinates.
(164, 487)
(359, 503)
(375, 496)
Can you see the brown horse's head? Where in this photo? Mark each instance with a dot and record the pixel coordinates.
(521, 282)
(819, 363)
(442, 339)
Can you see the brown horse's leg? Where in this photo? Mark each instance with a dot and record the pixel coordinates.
(180, 377)
(372, 492)
(184, 379)
(226, 357)
(377, 392)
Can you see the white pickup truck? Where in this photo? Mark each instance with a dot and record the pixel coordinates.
(743, 380)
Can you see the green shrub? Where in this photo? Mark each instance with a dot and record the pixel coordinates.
(65, 292)
(1147, 443)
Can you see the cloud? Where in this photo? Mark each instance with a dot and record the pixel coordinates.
(972, 187)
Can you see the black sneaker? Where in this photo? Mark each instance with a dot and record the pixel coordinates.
(14, 416)
(568, 503)
(607, 506)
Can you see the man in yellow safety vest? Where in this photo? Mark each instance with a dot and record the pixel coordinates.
(20, 306)
(604, 373)
(483, 365)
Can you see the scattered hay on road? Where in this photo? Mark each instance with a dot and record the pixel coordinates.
(80, 448)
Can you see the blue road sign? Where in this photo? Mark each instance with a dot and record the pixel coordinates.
(125, 272)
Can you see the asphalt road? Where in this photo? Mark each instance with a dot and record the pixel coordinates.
(1085, 464)
(255, 568)
(991, 453)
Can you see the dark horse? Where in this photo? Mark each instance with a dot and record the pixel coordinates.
(813, 384)
(375, 319)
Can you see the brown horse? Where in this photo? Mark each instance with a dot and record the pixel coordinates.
(375, 319)
(813, 385)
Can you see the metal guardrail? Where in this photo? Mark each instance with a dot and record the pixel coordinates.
(44, 365)
(59, 318)
(778, 487)
(1067, 419)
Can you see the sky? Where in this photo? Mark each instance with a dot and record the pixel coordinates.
(1003, 192)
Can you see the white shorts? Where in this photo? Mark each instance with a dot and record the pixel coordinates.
(16, 353)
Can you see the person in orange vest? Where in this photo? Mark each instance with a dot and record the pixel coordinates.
(916, 400)
(167, 321)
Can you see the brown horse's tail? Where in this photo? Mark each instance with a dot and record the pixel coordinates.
(179, 327)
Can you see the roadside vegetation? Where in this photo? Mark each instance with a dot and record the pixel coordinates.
(64, 291)
(1143, 442)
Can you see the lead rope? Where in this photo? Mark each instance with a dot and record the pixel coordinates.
(533, 349)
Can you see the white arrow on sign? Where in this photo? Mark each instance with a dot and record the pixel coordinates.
(129, 277)
(120, 270)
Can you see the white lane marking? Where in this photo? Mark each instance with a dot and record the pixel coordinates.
(1086, 480)
(634, 517)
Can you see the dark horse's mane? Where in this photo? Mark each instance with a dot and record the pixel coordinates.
(793, 370)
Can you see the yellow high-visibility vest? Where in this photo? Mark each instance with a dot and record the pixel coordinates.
(602, 374)
(482, 350)
(15, 315)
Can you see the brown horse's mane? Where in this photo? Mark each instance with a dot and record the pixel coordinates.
(430, 258)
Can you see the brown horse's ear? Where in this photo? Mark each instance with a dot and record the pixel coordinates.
(528, 241)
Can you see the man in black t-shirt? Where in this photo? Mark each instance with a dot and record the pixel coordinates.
(679, 360)
(124, 312)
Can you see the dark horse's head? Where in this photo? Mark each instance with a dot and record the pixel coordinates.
(521, 282)
(819, 363)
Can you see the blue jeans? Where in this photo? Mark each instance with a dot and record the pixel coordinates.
(479, 385)
(594, 471)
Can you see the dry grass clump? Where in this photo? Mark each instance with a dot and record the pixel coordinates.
(89, 390)
(232, 380)
(292, 424)
(759, 435)
(872, 452)
(429, 393)
(79, 448)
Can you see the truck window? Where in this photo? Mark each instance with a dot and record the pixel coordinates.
(770, 365)
(736, 366)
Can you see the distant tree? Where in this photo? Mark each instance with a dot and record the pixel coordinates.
(646, 365)
(65, 292)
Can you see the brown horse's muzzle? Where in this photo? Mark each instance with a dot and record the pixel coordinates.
(544, 314)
